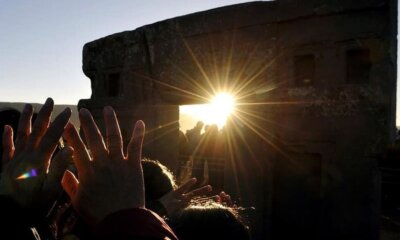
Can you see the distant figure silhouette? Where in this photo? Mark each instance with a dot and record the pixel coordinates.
(206, 151)
(184, 152)
(193, 136)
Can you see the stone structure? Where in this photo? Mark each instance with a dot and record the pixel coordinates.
(327, 70)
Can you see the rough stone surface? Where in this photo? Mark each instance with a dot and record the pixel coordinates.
(306, 159)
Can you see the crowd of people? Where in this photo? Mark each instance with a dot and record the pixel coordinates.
(55, 185)
(199, 149)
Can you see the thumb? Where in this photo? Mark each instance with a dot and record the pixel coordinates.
(70, 184)
(59, 164)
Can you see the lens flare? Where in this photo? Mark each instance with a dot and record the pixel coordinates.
(216, 112)
(31, 173)
(221, 106)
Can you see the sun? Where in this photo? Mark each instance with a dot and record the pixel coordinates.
(220, 108)
(216, 112)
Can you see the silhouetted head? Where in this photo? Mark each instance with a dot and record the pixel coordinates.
(212, 221)
(199, 125)
(158, 179)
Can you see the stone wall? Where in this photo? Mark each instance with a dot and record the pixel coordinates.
(306, 157)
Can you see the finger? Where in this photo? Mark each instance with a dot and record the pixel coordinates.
(70, 184)
(92, 134)
(199, 192)
(114, 138)
(24, 127)
(186, 186)
(80, 155)
(8, 145)
(134, 160)
(135, 145)
(222, 195)
(58, 166)
(41, 124)
(226, 198)
(53, 134)
(217, 198)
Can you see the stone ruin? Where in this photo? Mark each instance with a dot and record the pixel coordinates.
(319, 80)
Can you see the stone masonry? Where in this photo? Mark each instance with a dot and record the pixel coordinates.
(319, 80)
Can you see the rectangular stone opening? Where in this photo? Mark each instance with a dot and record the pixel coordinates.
(304, 70)
(201, 146)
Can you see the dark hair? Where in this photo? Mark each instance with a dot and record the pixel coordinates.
(210, 221)
(158, 179)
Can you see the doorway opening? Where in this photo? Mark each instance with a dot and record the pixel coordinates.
(202, 138)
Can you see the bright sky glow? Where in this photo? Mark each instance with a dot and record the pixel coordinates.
(216, 112)
(42, 41)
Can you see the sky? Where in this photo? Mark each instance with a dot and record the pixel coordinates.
(41, 41)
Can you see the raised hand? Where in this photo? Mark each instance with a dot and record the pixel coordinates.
(225, 199)
(180, 198)
(30, 176)
(108, 180)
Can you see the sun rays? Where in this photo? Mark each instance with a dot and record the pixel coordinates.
(236, 83)
(225, 82)
(216, 112)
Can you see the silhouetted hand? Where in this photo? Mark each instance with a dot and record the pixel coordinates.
(108, 180)
(30, 175)
(180, 198)
(225, 199)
